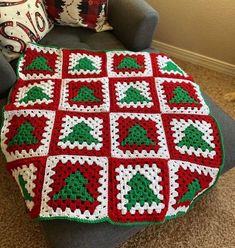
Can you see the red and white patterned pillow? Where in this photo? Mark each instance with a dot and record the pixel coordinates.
(22, 22)
(80, 13)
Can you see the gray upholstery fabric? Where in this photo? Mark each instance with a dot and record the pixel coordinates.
(134, 22)
(227, 126)
(7, 76)
(71, 37)
(75, 235)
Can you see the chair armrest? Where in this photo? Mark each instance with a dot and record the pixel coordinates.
(7, 76)
(134, 22)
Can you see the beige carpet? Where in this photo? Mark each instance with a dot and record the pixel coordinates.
(211, 223)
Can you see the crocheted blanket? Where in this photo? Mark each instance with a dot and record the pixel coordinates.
(109, 136)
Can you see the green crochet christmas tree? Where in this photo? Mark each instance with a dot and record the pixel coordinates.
(133, 95)
(137, 136)
(35, 93)
(25, 192)
(129, 63)
(74, 189)
(193, 188)
(193, 138)
(171, 66)
(140, 192)
(85, 64)
(24, 135)
(81, 133)
(181, 96)
(39, 63)
(85, 94)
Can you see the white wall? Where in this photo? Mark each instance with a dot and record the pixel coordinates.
(206, 27)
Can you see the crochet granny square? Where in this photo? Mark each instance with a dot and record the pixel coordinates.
(111, 136)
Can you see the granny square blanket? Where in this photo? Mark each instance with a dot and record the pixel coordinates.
(112, 136)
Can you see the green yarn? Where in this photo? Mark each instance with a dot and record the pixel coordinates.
(193, 138)
(35, 93)
(193, 188)
(74, 189)
(81, 133)
(129, 63)
(24, 135)
(137, 136)
(85, 64)
(134, 95)
(25, 192)
(171, 66)
(181, 96)
(140, 192)
(39, 63)
(85, 94)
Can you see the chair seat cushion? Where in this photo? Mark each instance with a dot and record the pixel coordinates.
(81, 38)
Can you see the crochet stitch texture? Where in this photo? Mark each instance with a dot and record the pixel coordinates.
(109, 136)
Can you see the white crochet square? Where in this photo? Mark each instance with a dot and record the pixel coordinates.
(165, 108)
(100, 211)
(162, 61)
(65, 105)
(148, 72)
(162, 152)
(94, 123)
(179, 126)
(43, 149)
(174, 166)
(47, 87)
(74, 59)
(28, 173)
(143, 86)
(125, 174)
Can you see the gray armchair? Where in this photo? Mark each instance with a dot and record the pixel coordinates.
(134, 22)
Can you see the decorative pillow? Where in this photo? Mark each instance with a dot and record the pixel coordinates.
(21, 22)
(80, 13)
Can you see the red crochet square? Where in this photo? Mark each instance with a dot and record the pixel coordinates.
(35, 94)
(118, 60)
(85, 95)
(187, 182)
(81, 134)
(185, 178)
(133, 95)
(124, 126)
(63, 171)
(193, 138)
(40, 63)
(84, 64)
(162, 66)
(137, 136)
(76, 185)
(129, 180)
(31, 187)
(180, 96)
(36, 124)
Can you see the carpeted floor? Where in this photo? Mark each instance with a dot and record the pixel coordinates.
(211, 223)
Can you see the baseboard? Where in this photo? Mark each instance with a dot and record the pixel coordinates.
(195, 58)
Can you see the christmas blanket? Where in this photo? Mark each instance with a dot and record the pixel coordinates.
(110, 136)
